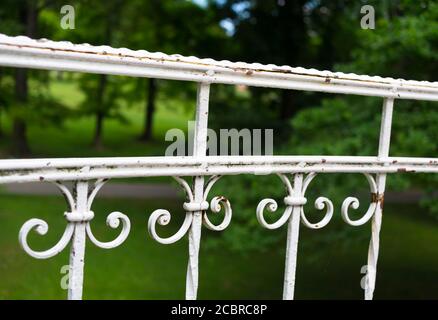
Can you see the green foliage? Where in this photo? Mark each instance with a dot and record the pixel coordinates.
(110, 103)
(403, 45)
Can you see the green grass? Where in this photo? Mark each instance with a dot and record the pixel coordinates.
(328, 267)
(74, 137)
(407, 267)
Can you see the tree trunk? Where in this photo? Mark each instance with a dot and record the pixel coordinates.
(287, 109)
(97, 141)
(19, 138)
(100, 114)
(3, 104)
(111, 24)
(150, 110)
(28, 18)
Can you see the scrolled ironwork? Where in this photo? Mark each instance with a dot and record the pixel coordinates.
(353, 202)
(163, 217)
(73, 217)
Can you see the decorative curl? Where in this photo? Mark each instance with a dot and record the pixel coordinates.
(41, 227)
(272, 206)
(162, 217)
(215, 207)
(320, 204)
(75, 217)
(112, 221)
(353, 202)
(92, 194)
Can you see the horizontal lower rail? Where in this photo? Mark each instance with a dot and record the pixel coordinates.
(28, 170)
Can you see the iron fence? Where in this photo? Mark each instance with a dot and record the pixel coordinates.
(296, 172)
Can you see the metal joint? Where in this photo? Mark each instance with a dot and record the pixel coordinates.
(76, 216)
(376, 197)
(295, 201)
(196, 206)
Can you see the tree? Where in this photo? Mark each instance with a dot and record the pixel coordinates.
(303, 33)
(161, 25)
(406, 32)
(22, 17)
(102, 91)
(270, 32)
(28, 20)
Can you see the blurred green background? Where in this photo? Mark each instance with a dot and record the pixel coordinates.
(59, 114)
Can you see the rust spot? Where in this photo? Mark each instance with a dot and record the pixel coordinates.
(401, 170)
(41, 178)
(323, 160)
(327, 80)
(282, 70)
(375, 198)
(395, 161)
(249, 72)
(222, 198)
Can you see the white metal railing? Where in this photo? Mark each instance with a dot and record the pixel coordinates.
(296, 172)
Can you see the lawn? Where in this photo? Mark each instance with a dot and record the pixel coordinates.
(328, 267)
(73, 137)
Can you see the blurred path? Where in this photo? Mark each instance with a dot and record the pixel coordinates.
(162, 190)
(110, 190)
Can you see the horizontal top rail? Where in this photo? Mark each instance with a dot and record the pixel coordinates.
(27, 170)
(51, 55)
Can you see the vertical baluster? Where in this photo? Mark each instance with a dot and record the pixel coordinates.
(199, 150)
(373, 250)
(77, 251)
(293, 230)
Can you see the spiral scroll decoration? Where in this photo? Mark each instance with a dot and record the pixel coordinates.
(354, 203)
(74, 216)
(162, 217)
(297, 198)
